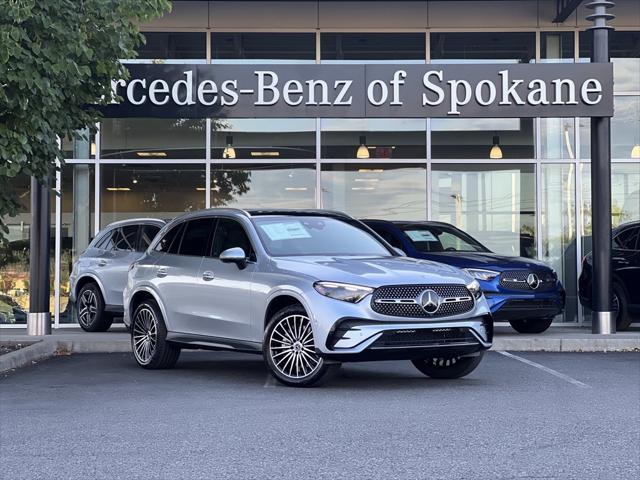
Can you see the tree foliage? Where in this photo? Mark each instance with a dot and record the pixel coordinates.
(56, 58)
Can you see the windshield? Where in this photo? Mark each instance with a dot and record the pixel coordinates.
(442, 239)
(286, 236)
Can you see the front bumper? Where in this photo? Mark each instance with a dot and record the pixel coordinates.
(514, 305)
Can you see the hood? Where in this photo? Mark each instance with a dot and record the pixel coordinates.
(489, 261)
(372, 272)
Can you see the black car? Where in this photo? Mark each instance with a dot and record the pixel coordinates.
(626, 274)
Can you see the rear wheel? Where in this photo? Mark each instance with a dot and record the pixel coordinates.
(149, 338)
(91, 314)
(289, 350)
(448, 367)
(620, 307)
(531, 325)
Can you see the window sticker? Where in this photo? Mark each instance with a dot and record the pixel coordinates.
(285, 231)
(421, 236)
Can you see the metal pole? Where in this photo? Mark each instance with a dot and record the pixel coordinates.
(39, 318)
(603, 319)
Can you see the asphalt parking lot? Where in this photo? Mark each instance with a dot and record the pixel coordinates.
(218, 415)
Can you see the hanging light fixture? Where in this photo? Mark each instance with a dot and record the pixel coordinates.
(635, 151)
(496, 151)
(229, 151)
(363, 151)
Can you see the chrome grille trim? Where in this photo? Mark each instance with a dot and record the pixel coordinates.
(404, 300)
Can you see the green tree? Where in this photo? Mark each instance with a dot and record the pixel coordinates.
(57, 57)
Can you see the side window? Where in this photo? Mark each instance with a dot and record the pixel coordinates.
(171, 240)
(107, 240)
(229, 234)
(126, 239)
(627, 239)
(196, 237)
(390, 238)
(147, 233)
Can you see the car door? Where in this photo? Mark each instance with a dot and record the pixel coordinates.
(225, 288)
(626, 263)
(112, 265)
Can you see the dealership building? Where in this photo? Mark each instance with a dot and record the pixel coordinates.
(519, 184)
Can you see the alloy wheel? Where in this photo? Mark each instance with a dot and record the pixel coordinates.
(291, 347)
(145, 335)
(88, 308)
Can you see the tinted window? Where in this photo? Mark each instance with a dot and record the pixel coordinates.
(106, 241)
(627, 239)
(373, 46)
(230, 234)
(283, 236)
(173, 45)
(171, 240)
(436, 239)
(390, 238)
(196, 237)
(263, 46)
(147, 233)
(126, 239)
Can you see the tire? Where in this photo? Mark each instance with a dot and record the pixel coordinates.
(149, 338)
(91, 314)
(621, 307)
(289, 353)
(448, 367)
(531, 325)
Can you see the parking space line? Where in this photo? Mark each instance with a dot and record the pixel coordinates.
(551, 371)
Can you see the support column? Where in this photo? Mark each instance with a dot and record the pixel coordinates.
(39, 317)
(603, 318)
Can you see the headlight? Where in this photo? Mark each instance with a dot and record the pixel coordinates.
(342, 291)
(474, 288)
(481, 274)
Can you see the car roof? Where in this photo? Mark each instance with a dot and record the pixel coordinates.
(136, 221)
(411, 223)
(263, 212)
(624, 226)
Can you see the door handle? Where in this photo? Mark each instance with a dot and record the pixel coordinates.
(207, 276)
(162, 272)
(102, 263)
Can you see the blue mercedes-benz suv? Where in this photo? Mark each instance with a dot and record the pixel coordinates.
(524, 292)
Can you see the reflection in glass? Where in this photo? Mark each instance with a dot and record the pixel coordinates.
(263, 47)
(558, 225)
(152, 139)
(81, 148)
(263, 186)
(172, 47)
(556, 47)
(495, 204)
(489, 47)
(261, 138)
(158, 191)
(624, 48)
(383, 138)
(374, 47)
(557, 139)
(390, 191)
(460, 138)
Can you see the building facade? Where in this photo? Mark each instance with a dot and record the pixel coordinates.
(529, 197)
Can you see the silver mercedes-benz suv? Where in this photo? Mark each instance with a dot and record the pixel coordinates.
(100, 273)
(307, 289)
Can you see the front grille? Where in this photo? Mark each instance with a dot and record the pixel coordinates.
(517, 280)
(405, 300)
(424, 338)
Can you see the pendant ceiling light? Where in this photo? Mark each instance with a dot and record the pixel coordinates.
(363, 151)
(635, 151)
(496, 151)
(229, 151)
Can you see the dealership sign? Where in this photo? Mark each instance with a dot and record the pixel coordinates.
(365, 90)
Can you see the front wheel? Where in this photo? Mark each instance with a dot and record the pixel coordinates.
(448, 367)
(289, 350)
(149, 338)
(91, 314)
(531, 325)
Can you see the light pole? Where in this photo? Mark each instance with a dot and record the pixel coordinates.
(603, 319)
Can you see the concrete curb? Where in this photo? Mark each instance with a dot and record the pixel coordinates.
(25, 356)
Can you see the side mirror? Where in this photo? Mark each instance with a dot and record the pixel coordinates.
(400, 252)
(234, 255)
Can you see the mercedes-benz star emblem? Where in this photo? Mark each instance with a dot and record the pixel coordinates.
(430, 301)
(533, 281)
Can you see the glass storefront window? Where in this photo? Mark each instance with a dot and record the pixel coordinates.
(263, 47)
(483, 47)
(624, 48)
(157, 190)
(558, 224)
(472, 138)
(83, 147)
(387, 191)
(172, 47)
(152, 139)
(625, 129)
(373, 47)
(263, 186)
(263, 139)
(557, 139)
(495, 204)
(556, 47)
(373, 138)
